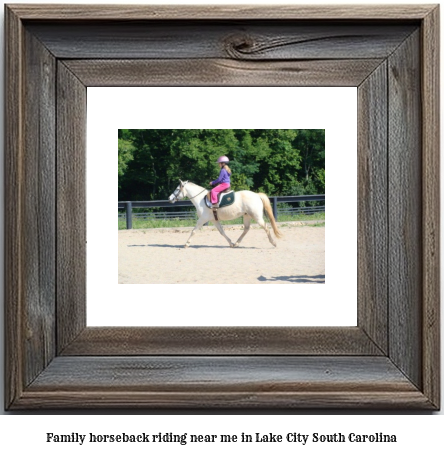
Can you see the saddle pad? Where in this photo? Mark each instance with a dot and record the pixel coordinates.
(227, 199)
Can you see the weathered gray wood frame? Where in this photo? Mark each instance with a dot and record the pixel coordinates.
(390, 360)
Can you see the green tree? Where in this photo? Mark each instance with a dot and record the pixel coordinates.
(311, 144)
(125, 155)
(278, 162)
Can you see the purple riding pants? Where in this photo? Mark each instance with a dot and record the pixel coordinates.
(216, 190)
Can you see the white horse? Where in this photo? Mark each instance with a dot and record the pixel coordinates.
(248, 204)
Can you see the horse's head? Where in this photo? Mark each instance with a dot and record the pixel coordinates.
(179, 193)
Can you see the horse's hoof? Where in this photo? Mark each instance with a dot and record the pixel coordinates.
(185, 246)
(236, 245)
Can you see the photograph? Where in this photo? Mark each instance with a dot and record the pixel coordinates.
(248, 204)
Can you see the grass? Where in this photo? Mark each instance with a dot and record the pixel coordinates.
(176, 223)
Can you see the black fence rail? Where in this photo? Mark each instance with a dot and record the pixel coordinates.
(128, 206)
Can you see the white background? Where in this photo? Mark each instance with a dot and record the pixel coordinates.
(329, 304)
(418, 433)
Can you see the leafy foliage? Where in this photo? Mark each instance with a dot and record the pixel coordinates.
(125, 151)
(277, 162)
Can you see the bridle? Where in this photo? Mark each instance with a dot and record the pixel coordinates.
(178, 191)
(176, 194)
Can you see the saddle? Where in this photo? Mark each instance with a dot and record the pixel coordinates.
(225, 198)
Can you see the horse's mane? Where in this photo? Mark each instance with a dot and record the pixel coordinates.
(193, 184)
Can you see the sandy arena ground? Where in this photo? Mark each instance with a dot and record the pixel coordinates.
(158, 256)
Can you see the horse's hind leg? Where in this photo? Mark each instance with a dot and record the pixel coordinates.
(261, 222)
(200, 223)
(222, 232)
(247, 223)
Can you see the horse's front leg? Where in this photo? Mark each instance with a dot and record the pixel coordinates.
(200, 223)
(247, 222)
(222, 232)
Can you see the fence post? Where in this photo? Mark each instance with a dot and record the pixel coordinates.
(129, 215)
(275, 208)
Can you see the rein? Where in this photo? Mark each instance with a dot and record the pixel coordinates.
(204, 190)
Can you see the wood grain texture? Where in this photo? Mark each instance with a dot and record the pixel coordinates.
(127, 341)
(431, 207)
(206, 373)
(405, 209)
(220, 12)
(246, 401)
(38, 221)
(245, 40)
(30, 227)
(71, 206)
(219, 72)
(13, 209)
(372, 207)
(234, 382)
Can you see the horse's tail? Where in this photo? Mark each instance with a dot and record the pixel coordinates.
(269, 211)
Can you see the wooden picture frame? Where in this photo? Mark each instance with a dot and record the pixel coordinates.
(390, 360)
